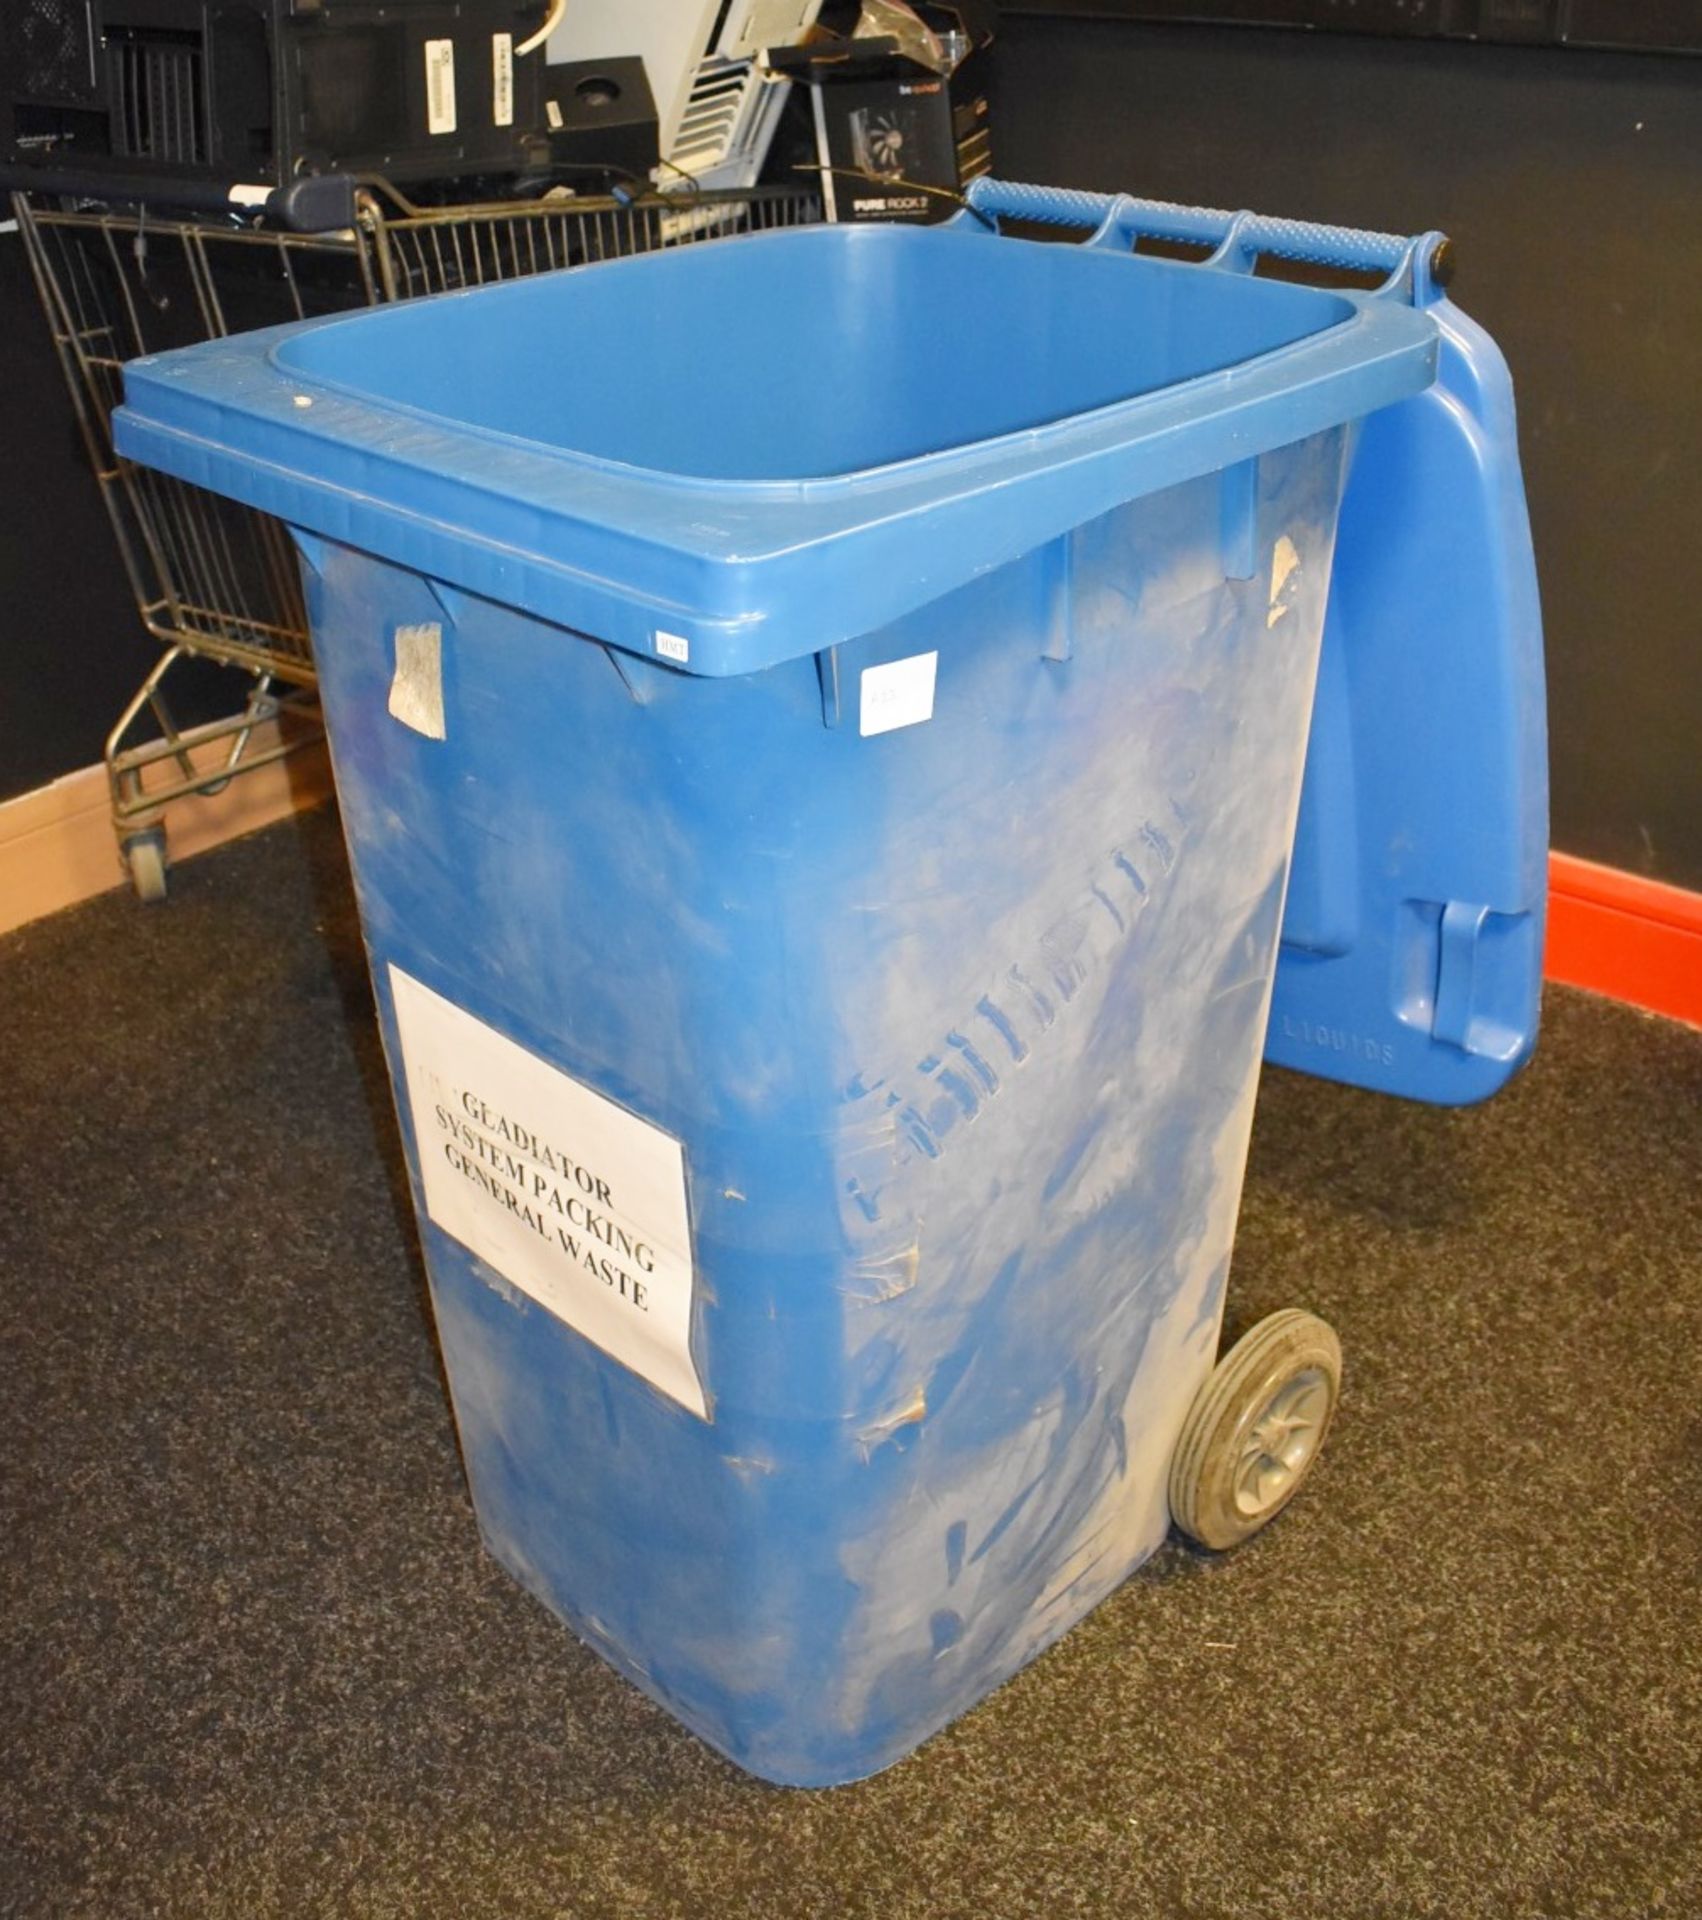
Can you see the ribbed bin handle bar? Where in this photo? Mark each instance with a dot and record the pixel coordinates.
(1203, 226)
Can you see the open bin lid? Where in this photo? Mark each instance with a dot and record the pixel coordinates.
(1412, 938)
(737, 454)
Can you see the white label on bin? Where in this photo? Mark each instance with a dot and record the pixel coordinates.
(502, 79)
(576, 1201)
(672, 646)
(900, 694)
(440, 85)
(416, 687)
(1285, 565)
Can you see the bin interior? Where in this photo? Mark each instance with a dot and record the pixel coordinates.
(801, 355)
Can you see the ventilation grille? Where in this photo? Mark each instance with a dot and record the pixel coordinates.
(711, 123)
(55, 60)
(158, 110)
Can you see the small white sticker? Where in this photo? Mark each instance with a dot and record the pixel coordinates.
(900, 694)
(552, 113)
(576, 1201)
(502, 79)
(416, 687)
(671, 646)
(440, 85)
(249, 196)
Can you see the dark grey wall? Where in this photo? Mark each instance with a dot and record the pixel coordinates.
(72, 650)
(1572, 183)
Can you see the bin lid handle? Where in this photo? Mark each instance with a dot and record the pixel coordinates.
(1416, 267)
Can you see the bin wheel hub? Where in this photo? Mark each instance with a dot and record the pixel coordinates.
(1283, 1439)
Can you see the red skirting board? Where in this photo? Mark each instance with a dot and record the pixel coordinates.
(1630, 938)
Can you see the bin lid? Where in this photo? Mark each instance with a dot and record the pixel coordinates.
(732, 454)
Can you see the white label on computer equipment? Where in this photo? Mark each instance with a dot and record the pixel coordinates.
(552, 113)
(502, 79)
(567, 1196)
(899, 694)
(440, 85)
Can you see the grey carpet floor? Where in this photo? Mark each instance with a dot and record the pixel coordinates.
(253, 1661)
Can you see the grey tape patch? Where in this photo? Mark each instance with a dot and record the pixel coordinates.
(416, 689)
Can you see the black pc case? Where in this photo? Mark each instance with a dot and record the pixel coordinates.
(269, 91)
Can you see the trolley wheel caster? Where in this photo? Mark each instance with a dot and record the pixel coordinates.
(1255, 1428)
(144, 860)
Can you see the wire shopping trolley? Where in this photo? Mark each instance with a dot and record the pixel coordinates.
(215, 581)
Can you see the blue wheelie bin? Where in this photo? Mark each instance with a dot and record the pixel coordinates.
(819, 721)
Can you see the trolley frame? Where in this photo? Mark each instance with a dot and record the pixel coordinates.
(216, 581)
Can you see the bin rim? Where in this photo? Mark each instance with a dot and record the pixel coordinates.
(1032, 440)
(762, 570)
